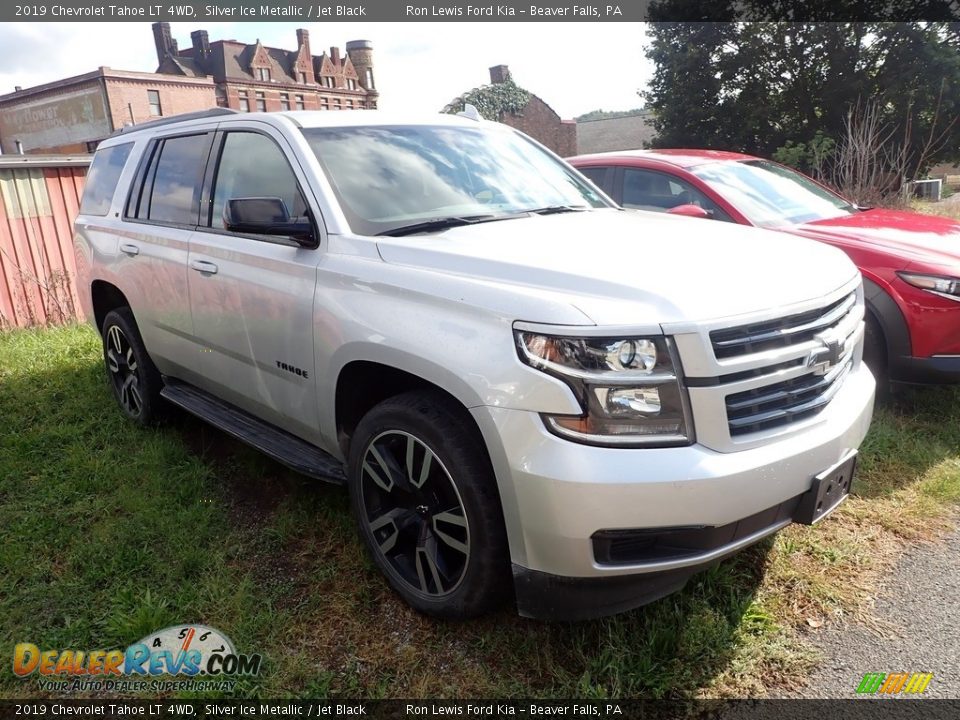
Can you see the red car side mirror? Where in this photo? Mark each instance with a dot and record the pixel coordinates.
(689, 210)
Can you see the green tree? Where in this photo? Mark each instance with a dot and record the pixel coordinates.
(755, 86)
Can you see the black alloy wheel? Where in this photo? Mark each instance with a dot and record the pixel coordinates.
(428, 509)
(124, 371)
(135, 380)
(415, 513)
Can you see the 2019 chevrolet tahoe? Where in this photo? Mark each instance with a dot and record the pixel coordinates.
(522, 399)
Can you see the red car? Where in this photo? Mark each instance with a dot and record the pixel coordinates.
(910, 262)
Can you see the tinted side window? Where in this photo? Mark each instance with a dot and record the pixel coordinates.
(172, 184)
(102, 179)
(648, 190)
(252, 165)
(598, 175)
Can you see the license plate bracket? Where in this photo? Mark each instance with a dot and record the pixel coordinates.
(828, 490)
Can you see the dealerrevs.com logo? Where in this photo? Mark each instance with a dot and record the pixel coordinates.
(183, 652)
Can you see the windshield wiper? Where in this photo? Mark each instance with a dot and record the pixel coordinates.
(438, 224)
(553, 209)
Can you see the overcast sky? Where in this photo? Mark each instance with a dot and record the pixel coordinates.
(575, 67)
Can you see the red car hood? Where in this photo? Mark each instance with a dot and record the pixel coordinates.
(911, 236)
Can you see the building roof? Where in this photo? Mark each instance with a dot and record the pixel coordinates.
(232, 60)
(102, 72)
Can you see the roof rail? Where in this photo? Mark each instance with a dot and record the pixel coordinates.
(199, 115)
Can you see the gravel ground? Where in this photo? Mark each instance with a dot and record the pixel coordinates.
(922, 601)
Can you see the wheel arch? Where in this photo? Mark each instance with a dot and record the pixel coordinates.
(361, 383)
(106, 297)
(889, 319)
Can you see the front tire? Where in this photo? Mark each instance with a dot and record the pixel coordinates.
(875, 356)
(135, 380)
(426, 503)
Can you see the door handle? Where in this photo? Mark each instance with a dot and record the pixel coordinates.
(204, 266)
(129, 249)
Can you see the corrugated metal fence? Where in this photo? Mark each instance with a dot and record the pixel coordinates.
(39, 198)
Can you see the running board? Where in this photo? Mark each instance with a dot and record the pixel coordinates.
(283, 447)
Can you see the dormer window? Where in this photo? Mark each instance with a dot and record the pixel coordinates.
(263, 74)
(302, 78)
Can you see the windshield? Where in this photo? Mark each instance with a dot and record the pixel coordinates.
(389, 177)
(771, 195)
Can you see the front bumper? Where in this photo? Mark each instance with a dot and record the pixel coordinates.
(936, 370)
(557, 495)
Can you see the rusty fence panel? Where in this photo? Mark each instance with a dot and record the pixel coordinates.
(39, 199)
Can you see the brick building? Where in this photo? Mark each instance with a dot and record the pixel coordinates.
(74, 114)
(539, 120)
(255, 77)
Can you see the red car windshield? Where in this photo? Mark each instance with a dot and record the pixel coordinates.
(770, 195)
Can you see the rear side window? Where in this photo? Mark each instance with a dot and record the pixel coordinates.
(102, 179)
(170, 192)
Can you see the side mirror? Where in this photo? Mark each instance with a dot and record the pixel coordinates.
(266, 216)
(689, 210)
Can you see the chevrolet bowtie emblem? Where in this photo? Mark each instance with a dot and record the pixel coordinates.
(822, 359)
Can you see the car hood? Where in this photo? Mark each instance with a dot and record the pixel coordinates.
(628, 268)
(913, 236)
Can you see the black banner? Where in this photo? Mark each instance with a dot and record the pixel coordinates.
(854, 709)
(479, 10)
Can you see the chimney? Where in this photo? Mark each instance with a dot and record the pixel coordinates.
(17, 88)
(163, 41)
(303, 41)
(201, 45)
(335, 56)
(499, 74)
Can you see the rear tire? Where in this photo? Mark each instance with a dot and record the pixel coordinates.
(135, 380)
(427, 506)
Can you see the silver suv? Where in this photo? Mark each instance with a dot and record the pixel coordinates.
(528, 392)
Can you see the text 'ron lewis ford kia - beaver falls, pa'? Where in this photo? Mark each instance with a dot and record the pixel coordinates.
(529, 392)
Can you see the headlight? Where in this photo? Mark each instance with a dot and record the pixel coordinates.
(944, 286)
(629, 388)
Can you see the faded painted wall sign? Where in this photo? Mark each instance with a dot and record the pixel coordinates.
(65, 119)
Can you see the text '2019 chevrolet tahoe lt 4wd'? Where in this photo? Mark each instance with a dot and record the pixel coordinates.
(522, 399)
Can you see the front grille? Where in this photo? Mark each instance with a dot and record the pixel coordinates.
(779, 333)
(785, 402)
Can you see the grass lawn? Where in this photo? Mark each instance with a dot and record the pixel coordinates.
(108, 532)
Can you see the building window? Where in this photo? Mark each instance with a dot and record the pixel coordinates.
(350, 104)
(153, 97)
(352, 84)
(284, 101)
(336, 104)
(92, 145)
(221, 97)
(302, 78)
(328, 82)
(369, 76)
(324, 103)
(263, 74)
(261, 102)
(244, 101)
(299, 101)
